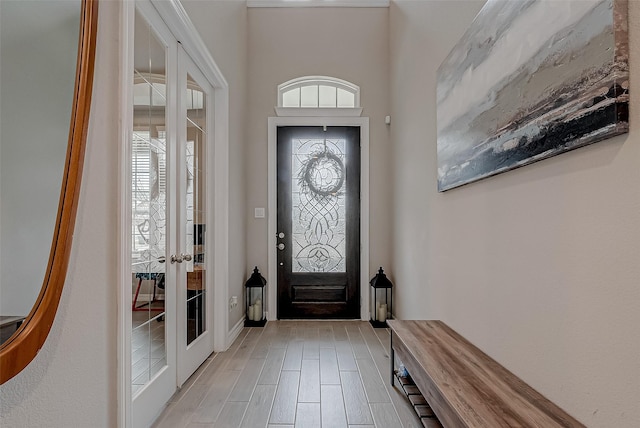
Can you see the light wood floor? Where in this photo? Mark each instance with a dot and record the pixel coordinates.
(329, 374)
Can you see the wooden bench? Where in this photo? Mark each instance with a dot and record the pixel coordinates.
(463, 385)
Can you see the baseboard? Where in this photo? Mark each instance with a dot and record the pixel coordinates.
(234, 333)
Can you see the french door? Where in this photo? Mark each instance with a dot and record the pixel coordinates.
(153, 194)
(318, 221)
(171, 331)
(195, 336)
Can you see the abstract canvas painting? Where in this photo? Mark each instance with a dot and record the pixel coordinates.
(531, 79)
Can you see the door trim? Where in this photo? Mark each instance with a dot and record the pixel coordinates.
(272, 277)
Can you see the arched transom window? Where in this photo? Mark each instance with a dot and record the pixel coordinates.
(318, 92)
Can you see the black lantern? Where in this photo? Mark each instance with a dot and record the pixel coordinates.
(254, 298)
(381, 300)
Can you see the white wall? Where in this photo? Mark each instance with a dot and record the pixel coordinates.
(38, 74)
(347, 43)
(537, 266)
(223, 27)
(72, 381)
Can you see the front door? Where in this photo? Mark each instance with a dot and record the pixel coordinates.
(318, 222)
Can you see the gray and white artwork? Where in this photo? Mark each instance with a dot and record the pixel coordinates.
(528, 80)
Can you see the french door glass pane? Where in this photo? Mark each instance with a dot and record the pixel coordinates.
(195, 206)
(148, 206)
(318, 204)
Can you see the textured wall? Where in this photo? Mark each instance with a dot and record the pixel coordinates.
(537, 266)
(350, 44)
(72, 381)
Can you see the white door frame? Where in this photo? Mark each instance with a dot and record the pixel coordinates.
(272, 281)
(176, 18)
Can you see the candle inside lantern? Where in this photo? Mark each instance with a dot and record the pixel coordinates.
(375, 315)
(257, 311)
(250, 313)
(382, 313)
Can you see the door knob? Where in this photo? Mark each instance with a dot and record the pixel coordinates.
(281, 235)
(186, 257)
(176, 259)
(281, 246)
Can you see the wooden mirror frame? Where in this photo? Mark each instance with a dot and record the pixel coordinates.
(21, 348)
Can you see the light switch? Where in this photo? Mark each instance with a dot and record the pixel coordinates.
(258, 212)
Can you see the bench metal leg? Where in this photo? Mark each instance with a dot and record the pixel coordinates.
(391, 358)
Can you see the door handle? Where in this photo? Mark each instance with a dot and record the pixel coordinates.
(280, 246)
(176, 259)
(186, 257)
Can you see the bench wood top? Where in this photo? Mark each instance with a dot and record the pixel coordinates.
(464, 386)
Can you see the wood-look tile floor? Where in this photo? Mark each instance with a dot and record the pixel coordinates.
(328, 374)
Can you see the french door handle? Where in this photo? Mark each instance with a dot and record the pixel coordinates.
(186, 257)
(176, 259)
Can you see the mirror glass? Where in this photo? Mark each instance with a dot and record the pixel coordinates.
(38, 53)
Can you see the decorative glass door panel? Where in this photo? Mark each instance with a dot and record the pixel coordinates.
(318, 193)
(318, 222)
(149, 208)
(195, 228)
